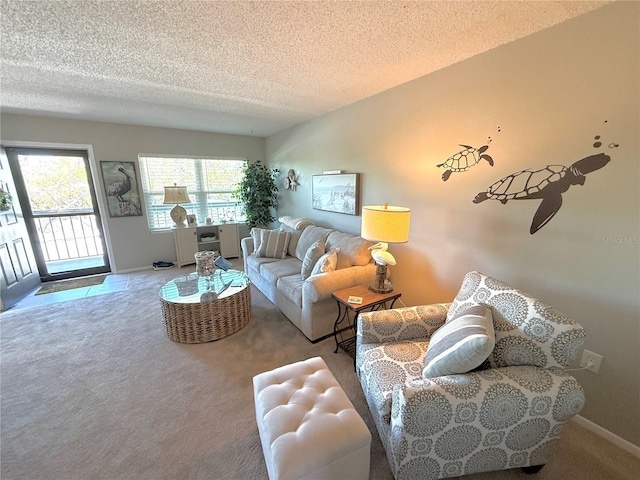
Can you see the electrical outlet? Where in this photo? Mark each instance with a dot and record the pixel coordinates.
(593, 358)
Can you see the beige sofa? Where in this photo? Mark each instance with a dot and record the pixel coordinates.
(308, 303)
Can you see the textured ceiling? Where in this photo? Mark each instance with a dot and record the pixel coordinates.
(236, 66)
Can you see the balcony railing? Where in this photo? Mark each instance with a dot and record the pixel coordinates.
(68, 237)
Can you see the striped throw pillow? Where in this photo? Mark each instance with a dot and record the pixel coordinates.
(461, 344)
(273, 244)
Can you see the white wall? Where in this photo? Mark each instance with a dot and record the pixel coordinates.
(132, 245)
(542, 100)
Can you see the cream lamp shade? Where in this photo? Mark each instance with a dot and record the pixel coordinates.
(384, 224)
(177, 195)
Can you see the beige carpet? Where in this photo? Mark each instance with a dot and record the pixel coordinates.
(93, 389)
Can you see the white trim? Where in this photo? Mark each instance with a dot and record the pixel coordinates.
(193, 157)
(612, 437)
(130, 270)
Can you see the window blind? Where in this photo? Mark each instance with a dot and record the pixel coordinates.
(210, 183)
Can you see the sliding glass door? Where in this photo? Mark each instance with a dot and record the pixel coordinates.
(56, 192)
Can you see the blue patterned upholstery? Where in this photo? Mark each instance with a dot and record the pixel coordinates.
(507, 414)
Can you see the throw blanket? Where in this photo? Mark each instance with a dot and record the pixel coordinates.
(297, 223)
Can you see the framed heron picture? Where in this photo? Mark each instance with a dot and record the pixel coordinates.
(338, 193)
(121, 189)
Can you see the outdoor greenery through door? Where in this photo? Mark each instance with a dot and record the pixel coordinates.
(55, 189)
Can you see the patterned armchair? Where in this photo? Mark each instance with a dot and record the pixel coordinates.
(507, 413)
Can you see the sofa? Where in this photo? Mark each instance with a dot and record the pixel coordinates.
(282, 268)
(503, 412)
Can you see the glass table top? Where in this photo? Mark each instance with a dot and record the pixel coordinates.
(194, 289)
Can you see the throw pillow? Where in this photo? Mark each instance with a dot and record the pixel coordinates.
(255, 234)
(308, 237)
(461, 344)
(327, 262)
(314, 252)
(273, 244)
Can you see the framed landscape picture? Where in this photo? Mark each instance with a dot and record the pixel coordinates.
(121, 189)
(338, 193)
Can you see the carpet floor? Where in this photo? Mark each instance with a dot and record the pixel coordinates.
(94, 389)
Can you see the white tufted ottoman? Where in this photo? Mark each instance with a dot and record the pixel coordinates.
(308, 427)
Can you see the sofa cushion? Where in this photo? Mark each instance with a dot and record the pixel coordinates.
(281, 268)
(291, 288)
(309, 236)
(273, 244)
(326, 263)
(293, 239)
(461, 344)
(314, 252)
(256, 262)
(353, 250)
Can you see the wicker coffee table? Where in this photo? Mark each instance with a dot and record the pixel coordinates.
(197, 311)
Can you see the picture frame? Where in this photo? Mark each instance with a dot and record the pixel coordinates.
(191, 220)
(121, 188)
(338, 193)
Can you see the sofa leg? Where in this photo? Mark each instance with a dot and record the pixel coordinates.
(532, 469)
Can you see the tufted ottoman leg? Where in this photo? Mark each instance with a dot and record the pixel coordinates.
(308, 427)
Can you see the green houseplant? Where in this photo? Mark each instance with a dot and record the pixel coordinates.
(258, 194)
(5, 200)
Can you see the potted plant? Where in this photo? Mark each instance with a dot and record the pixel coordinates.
(258, 194)
(5, 200)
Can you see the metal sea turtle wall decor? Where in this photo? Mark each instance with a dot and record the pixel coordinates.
(464, 160)
(547, 184)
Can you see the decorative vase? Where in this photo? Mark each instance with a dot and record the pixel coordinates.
(204, 264)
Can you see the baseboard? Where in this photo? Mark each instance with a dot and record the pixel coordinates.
(131, 270)
(613, 438)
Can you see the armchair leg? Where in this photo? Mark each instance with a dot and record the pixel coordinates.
(532, 469)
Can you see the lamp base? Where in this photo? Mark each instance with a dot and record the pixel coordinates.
(178, 215)
(380, 283)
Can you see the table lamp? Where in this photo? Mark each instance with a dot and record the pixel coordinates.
(384, 224)
(177, 195)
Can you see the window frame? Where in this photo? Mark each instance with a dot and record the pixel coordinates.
(158, 218)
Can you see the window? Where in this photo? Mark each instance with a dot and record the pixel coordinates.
(210, 183)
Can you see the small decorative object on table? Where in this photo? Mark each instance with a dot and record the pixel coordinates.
(207, 237)
(187, 285)
(204, 264)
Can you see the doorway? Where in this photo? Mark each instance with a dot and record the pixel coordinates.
(58, 200)
(18, 271)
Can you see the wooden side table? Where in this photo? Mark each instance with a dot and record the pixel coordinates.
(370, 301)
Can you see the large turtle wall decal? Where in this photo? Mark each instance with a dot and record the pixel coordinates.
(547, 183)
(464, 160)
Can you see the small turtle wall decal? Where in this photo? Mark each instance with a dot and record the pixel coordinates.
(547, 183)
(464, 160)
